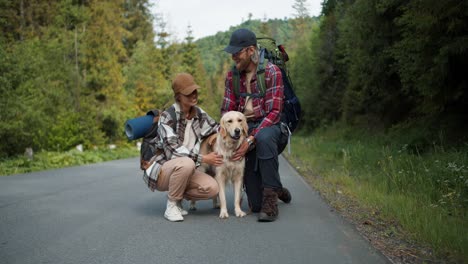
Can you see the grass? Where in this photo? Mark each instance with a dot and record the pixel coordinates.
(425, 193)
(51, 160)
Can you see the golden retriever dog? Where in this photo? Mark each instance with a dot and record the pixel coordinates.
(233, 131)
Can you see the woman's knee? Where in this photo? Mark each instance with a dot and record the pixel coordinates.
(185, 164)
(203, 189)
(208, 188)
(214, 189)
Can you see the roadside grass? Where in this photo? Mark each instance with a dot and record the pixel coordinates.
(426, 193)
(52, 160)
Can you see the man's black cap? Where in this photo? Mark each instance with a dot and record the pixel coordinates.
(240, 39)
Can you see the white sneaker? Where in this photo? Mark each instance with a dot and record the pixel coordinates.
(173, 213)
(181, 208)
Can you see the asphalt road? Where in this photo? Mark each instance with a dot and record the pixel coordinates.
(103, 213)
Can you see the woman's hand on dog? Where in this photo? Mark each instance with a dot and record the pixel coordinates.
(213, 158)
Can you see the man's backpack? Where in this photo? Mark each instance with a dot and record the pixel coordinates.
(277, 55)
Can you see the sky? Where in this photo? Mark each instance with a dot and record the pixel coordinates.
(207, 17)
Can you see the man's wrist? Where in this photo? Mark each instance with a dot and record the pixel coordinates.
(250, 141)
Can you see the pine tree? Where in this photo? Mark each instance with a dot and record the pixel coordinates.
(163, 43)
(190, 56)
(301, 17)
(138, 23)
(432, 56)
(145, 82)
(103, 54)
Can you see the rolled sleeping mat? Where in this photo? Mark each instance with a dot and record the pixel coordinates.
(138, 127)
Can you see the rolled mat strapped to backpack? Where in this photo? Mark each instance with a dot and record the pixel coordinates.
(138, 127)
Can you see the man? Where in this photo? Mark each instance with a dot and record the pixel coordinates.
(266, 139)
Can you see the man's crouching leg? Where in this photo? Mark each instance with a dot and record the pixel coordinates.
(253, 183)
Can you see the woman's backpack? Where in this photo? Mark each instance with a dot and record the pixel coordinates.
(146, 127)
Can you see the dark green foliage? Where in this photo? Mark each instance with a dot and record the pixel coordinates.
(433, 54)
(65, 132)
(381, 64)
(61, 75)
(305, 81)
(373, 86)
(34, 94)
(145, 84)
(138, 23)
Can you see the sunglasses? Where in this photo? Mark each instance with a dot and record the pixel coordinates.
(239, 52)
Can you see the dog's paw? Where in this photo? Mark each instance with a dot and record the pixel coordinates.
(240, 213)
(223, 214)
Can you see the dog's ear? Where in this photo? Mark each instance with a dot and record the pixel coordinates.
(222, 131)
(212, 139)
(245, 127)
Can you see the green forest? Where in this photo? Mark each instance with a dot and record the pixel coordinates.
(73, 71)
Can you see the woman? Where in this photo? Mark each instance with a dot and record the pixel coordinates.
(177, 173)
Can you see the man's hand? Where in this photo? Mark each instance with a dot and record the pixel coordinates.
(213, 159)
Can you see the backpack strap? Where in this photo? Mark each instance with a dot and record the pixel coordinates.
(235, 80)
(261, 72)
(171, 111)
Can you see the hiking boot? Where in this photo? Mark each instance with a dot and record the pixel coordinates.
(284, 195)
(269, 211)
(173, 213)
(183, 212)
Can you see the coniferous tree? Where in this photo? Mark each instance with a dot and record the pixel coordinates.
(432, 55)
(372, 83)
(138, 23)
(265, 30)
(61, 65)
(330, 68)
(190, 56)
(302, 19)
(145, 83)
(103, 54)
(162, 42)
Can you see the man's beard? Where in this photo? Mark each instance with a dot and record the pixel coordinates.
(243, 65)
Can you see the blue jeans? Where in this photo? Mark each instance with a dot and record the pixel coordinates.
(262, 166)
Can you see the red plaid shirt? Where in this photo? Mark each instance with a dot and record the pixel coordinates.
(267, 109)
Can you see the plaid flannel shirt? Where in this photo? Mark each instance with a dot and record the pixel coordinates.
(170, 141)
(267, 109)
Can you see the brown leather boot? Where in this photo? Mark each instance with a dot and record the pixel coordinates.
(284, 195)
(269, 211)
